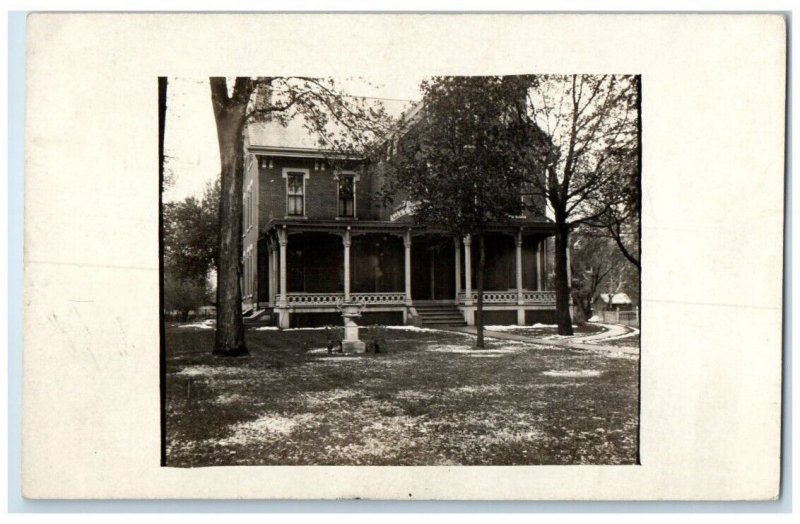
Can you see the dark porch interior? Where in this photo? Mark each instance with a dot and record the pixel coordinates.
(315, 263)
(501, 262)
(376, 263)
(433, 268)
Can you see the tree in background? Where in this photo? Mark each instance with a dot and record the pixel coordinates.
(587, 125)
(341, 122)
(191, 235)
(184, 295)
(461, 163)
(190, 250)
(597, 266)
(618, 206)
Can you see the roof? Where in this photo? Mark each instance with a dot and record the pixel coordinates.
(296, 134)
(399, 225)
(272, 134)
(618, 298)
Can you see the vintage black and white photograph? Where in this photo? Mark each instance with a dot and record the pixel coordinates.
(532, 257)
(441, 272)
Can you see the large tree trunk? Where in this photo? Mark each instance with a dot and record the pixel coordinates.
(229, 114)
(479, 313)
(563, 295)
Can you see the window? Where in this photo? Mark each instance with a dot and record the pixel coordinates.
(295, 194)
(247, 214)
(252, 209)
(248, 209)
(347, 195)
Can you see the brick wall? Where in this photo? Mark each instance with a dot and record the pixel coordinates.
(321, 195)
(250, 255)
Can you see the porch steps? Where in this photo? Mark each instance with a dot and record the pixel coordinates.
(257, 317)
(439, 315)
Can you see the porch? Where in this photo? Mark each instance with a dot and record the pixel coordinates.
(393, 268)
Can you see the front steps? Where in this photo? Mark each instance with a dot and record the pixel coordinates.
(258, 317)
(440, 315)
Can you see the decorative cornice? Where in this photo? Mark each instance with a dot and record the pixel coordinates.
(300, 152)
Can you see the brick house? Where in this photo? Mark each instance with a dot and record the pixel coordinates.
(315, 234)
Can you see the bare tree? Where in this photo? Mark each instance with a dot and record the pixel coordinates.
(587, 123)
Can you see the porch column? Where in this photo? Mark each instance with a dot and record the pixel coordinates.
(520, 296)
(468, 270)
(458, 266)
(282, 302)
(347, 240)
(519, 268)
(539, 265)
(283, 240)
(274, 272)
(270, 285)
(407, 245)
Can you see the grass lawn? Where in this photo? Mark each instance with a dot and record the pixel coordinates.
(541, 331)
(632, 341)
(430, 400)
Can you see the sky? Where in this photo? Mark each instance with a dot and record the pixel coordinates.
(190, 139)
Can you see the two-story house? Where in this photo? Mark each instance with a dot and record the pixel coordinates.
(315, 234)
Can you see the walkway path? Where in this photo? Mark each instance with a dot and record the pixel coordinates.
(581, 343)
(612, 331)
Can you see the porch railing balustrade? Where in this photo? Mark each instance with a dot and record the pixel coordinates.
(396, 298)
(510, 297)
(539, 297)
(330, 299)
(313, 299)
(547, 298)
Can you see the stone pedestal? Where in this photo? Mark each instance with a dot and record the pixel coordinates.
(351, 343)
(353, 346)
(283, 317)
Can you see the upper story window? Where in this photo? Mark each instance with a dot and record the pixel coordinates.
(347, 195)
(248, 208)
(295, 191)
(295, 194)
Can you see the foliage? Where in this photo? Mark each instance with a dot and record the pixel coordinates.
(343, 125)
(598, 266)
(184, 295)
(461, 163)
(191, 235)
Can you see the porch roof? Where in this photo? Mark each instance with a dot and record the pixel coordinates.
(341, 225)
(387, 226)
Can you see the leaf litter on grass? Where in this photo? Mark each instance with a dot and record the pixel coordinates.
(414, 405)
